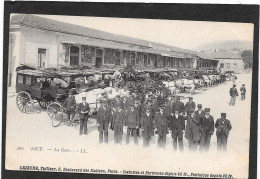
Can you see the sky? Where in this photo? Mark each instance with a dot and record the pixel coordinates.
(183, 34)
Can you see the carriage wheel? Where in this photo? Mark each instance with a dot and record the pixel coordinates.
(55, 112)
(44, 103)
(24, 102)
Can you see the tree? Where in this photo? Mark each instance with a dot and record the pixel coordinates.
(247, 56)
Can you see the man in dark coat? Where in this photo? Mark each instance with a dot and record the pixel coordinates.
(147, 126)
(138, 109)
(70, 105)
(83, 115)
(161, 124)
(207, 129)
(190, 106)
(161, 99)
(132, 123)
(199, 114)
(177, 126)
(192, 132)
(188, 131)
(243, 92)
(118, 122)
(223, 126)
(103, 120)
(233, 94)
(178, 105)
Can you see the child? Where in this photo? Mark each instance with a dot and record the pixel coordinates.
(243, 92)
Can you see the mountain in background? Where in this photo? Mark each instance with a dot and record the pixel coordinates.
(233, 45)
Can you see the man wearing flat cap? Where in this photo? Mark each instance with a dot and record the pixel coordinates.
(243, 92)
(70, 105)
(83, 115)
(132, 123)
(233, 94)
(223, 126)
(207, 129)
(190, 106)
(161, 125)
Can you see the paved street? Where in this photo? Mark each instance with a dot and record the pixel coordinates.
(35, 130)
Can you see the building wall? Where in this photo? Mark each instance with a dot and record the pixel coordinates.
(35, 39)
(235, 65)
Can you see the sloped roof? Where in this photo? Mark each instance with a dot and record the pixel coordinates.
(33, 21)
(222, 55)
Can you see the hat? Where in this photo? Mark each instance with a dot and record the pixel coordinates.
(223, 114)
(190, 97)
(132, 105)
(161, 106)
(71, 92)
(148, 109)
(243, 84)
(199, 105)
(177, 97)
(118, 104)
(207, 109)
(234, 85)
(83, 98)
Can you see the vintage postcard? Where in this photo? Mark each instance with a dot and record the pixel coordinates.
(126, 96)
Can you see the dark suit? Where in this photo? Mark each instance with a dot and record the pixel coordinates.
(147, 127)
(83, 117)
(161, 124)
(132, 122)
(70, 105)
(178, 105)
(223, 127)
(161, 100)
(103, 119)
(198, 115)
(190, 107)
(118, 123)
(233, 94)
(207, 129)
(176, 125)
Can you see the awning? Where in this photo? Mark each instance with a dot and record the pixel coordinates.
(68, 42)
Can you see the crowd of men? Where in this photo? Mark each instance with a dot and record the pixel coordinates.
(161, 115)
(150, 114)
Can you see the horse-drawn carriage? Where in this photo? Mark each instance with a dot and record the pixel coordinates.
(49, 89)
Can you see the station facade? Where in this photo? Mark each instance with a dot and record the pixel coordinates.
(45, 43)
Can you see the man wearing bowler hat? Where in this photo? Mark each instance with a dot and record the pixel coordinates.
(190, 106)
(207, 129)
(161, 124)
(118, 122)
(223, 126)
(178, 105)
(83, 115)
(233, 94)
(103, 120)
(147, 126)
(132, 123)
(177, 127)
(199, 113)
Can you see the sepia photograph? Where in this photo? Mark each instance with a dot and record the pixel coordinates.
(128, 96)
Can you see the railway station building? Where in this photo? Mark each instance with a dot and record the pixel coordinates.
(46, 43)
